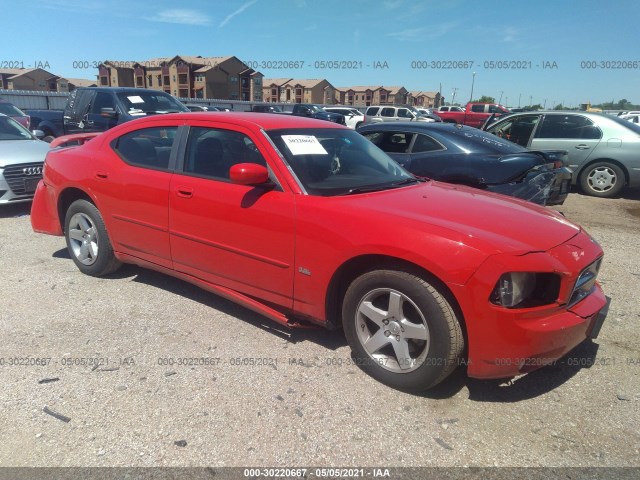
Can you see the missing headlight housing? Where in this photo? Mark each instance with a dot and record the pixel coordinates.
(526, 289)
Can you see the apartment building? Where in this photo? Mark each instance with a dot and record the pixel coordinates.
(36, 79)
(364, 96)
(70, 84)
(426, 99)
(186, 77)
(292, 90)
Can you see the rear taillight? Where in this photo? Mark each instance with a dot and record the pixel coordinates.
(28, 120)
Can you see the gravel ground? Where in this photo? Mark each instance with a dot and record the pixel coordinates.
(300, 403)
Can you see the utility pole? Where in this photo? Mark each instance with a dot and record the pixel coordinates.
(519, 97)
(530, 100)
(453, 95)
(501, 92)
(473, 80)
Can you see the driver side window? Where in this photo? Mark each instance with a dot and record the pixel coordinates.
(212, 152)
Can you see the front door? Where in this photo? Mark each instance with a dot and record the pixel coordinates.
(237, 236)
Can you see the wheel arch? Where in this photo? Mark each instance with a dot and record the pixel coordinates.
(576, 178)
(66, 198)
(356, 266)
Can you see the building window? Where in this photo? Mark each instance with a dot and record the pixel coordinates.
(182, 79)
(159, 80)
(167, 81)
(233, 79)
(139, 82)
(104, 80)
(150, 80)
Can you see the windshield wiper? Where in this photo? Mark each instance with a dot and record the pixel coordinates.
(409, 180)
(386, 186)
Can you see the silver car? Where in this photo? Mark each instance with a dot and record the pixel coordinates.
(604, 151)
(21, 160)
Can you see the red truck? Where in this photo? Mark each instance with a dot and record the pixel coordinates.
(474, 114)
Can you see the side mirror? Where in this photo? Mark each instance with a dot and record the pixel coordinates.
(248, 174)
(39, 134)
(108, 113)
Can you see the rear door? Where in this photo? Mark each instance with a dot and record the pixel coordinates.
(134, 186)
(388, 114)
(572, 132)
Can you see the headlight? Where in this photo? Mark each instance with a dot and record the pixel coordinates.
(526, 289)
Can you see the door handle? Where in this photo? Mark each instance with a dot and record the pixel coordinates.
(184, 192)
(102, 175)
(582, 146)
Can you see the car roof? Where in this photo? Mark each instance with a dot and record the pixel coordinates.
(247, 119)
(416, 126)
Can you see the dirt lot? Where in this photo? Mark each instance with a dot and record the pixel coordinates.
(268, 397)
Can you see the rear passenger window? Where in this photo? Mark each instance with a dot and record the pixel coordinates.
(388, 112)
(424, 143)
(148, 148)
(477, 108)
(212, 152)
(569, 126)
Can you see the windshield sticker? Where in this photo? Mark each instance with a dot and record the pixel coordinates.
(135, 99)
(304, 145)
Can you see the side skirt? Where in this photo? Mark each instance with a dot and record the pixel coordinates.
(224, 292)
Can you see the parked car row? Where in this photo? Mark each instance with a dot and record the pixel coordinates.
(306, 221)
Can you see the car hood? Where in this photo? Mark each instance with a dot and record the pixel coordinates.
(489, 222)
(22, 151)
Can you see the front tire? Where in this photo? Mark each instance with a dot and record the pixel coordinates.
(87, 240)
(602, 179)
(401, 330)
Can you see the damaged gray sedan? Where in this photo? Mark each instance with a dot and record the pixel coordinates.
(465, 155)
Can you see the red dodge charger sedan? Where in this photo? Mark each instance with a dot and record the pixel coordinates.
(306, 221)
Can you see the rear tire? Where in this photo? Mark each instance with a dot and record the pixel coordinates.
(401, 330)
(87, 240)
(602, 179)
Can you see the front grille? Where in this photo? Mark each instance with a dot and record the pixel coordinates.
(24, 177)
(585, 283)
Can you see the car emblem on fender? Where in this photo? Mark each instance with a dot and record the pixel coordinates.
(32, 170)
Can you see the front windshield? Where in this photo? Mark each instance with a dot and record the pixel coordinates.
(143, 103)
(316, 108)
(12, 130)
(337, 162)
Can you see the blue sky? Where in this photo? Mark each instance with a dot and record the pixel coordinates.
(391, 34)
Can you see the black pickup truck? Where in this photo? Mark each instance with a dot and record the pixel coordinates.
(316, 111)
(96, 109)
